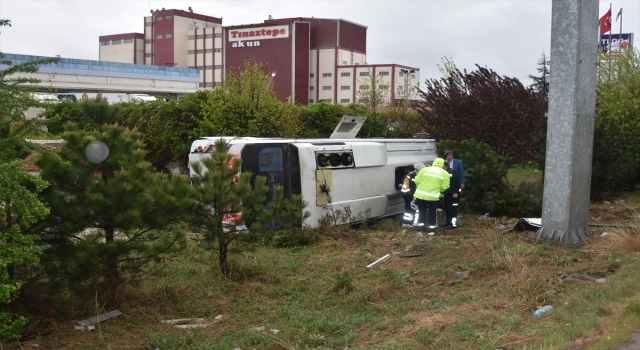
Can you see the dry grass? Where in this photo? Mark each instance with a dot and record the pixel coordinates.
(322, 297)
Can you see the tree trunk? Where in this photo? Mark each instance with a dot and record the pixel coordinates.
(113, 275)
(222, 258)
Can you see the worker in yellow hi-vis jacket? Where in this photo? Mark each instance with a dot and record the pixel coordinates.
(431, 182)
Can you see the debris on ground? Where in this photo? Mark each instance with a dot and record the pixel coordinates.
(100, 318)
(575, 278)
(384, 258)
(186, 323)
(411, 255)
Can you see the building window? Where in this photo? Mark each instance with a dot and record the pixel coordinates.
(147, 41)
(345, 87)
(191, 37)
(208, 36)
(148, 55)
(159, 36)
(218, 66)
(345, 100)
(116, 42)
(158, 18)
(326, 100)
(364, 74)
(312, 87)
(364, 87)
(326, 75)
(128, 41)
(413, 76)
(383, 87)
(147, 24)
(218, 35)
(383, 73)
(208, 51)
(345, 74)
(208, 67)
(201, 85)
(168, 36)
(191, 52)
(167, 17)
(311, 75)
(310, 100)
(210, 85)
(200, 51)
(193, 67)
(104, 43)
(199, 36)
(217, 50)
(326, 87)
(344, 62)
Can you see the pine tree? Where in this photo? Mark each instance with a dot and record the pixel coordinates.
(110, 216)
(235, 207)
(541, 83)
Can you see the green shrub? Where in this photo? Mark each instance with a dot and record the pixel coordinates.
(486, 186)
(617, 127)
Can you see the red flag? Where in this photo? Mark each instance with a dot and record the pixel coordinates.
(605, 22)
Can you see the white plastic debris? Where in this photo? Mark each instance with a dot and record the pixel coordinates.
(384, 258)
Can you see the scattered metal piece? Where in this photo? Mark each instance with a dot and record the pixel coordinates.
(182, 320)
(195, 325)
(257, 329)
(84, 328)
(384, 258)
(100, 318)
(411, 255)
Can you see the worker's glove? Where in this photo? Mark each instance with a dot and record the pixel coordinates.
(414, 206)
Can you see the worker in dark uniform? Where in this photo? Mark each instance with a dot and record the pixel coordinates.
(451, 198)
(408, 189)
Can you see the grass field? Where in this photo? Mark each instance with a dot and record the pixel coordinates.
(472, 288)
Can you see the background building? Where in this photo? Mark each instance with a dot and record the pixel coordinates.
(124, 48)
(310, 59)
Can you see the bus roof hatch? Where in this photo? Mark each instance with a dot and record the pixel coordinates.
(348, 127)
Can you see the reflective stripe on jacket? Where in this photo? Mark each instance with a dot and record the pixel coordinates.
(432, 181)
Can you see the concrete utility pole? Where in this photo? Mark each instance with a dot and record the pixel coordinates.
(572, 95)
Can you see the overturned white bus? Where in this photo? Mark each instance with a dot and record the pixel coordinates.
(361, 176)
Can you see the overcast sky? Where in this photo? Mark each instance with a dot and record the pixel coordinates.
(507, 36)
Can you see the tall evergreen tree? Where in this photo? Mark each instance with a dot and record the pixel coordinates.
(110, 216)
(541, 83)
(236, 207)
